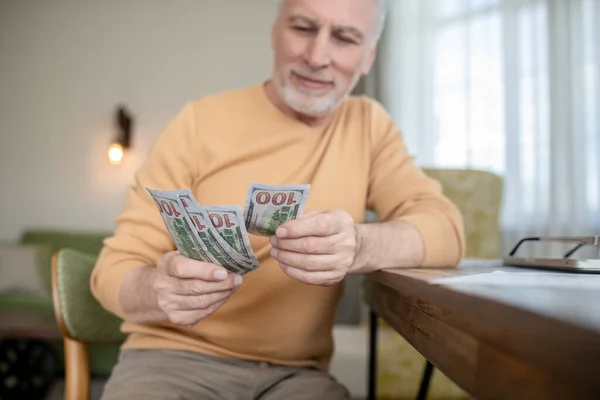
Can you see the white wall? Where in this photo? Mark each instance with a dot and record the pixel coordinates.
(65, 65)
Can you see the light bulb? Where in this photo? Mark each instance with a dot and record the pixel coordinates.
(115, 153)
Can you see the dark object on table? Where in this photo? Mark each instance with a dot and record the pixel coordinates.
(566, 263)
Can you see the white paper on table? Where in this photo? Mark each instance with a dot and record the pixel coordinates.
(528, 279)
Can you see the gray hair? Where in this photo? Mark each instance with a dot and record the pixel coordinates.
(380, 15)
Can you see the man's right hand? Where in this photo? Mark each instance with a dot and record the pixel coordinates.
(188, 290)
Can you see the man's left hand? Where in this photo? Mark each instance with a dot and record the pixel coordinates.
(318, 249)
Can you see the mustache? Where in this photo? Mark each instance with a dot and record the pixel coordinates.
(315, 77)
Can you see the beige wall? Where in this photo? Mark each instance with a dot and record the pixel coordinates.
(64, 67)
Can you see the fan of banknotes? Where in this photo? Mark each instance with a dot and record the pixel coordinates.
(219, 234)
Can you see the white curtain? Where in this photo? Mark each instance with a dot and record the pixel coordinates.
(509, 86)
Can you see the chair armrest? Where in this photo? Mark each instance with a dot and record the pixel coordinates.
(78, 314)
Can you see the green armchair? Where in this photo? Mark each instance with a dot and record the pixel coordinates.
(80, 317)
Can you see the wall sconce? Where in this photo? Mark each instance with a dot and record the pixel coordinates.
(122, 142)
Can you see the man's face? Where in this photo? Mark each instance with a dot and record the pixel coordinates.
(321, 48)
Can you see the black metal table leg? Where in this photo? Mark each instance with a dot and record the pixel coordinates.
(424, 388)
(373, 325)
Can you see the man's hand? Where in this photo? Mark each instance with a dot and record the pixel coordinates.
(188, 290)
(318, 249)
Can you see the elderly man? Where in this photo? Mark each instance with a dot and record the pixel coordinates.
(196, 331)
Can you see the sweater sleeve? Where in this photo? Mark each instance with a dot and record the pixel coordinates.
(140, 237)
(398, 189)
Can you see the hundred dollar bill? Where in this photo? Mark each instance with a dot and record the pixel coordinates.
(219, 247)
(229, 222)
(179, 226)
(186, 196)
(268, 206)
(225, 255)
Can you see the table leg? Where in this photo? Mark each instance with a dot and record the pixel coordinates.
(373, 325)
(424, 388)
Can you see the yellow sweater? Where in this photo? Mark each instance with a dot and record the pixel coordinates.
(217, 145)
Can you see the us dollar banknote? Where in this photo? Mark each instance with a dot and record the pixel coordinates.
(179, 226)
(268, 206)
(234, 242)
(216, 245)
(229, 222)
(218, 248)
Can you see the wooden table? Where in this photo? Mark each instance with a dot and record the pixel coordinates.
(496, 342)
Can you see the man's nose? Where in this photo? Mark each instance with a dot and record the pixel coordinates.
(319, 52)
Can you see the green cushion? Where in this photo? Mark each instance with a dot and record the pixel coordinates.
(85, 319)
(51, 241)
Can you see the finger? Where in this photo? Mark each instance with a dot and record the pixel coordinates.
(190, 318)
(180, 303)
(307, 245)
(195, 287)
(308, 262)
(182, 267)
(322, 278)
(320, 225)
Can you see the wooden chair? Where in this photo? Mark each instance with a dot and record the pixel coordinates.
(80, 317)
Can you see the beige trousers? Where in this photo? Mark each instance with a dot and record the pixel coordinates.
(182, 375)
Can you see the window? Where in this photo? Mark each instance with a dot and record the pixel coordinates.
(508, 86)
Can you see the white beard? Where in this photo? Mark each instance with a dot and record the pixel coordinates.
(305, 104)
